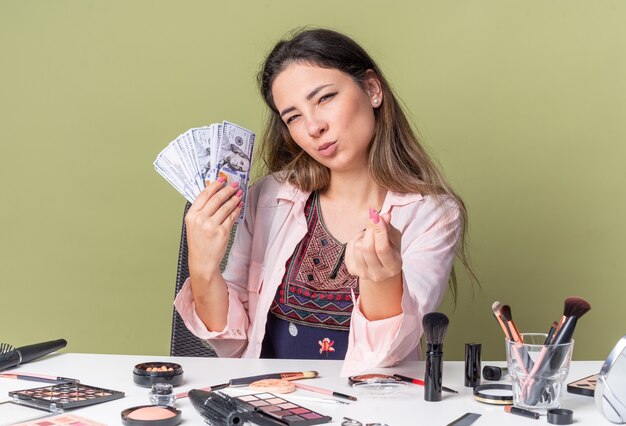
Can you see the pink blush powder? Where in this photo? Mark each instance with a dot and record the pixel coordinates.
(151, 413)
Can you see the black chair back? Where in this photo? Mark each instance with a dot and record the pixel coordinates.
(183, 342)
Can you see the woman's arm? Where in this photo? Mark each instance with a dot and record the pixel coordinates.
(209, 223)
(430, 231)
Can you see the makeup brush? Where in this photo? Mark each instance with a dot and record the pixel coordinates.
(495, 308)
(522, 357)
(28, 353)
(551, 333)
(295, 375)
(217, 409)
(435, 327)
(507, 316)
(8, 357)
(573, 305)
(551, 358)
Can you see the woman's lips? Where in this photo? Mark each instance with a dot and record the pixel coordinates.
(327, 149)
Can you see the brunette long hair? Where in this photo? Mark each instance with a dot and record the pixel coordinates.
(397, 160)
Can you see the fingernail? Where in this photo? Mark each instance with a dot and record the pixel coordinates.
(239, 193)
(376, 217)
(240, 203)
(372, 211)
(221, 179)
(234, 184)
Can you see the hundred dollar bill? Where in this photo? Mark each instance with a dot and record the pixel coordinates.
(234, 157)
(172, 164)
(201, 138)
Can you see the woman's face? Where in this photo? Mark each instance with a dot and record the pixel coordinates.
(328, 114)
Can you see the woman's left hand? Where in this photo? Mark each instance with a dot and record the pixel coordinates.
(374, 253)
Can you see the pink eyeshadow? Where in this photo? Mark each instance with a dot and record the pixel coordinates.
(276, 401)
(270, 408)
(247, 398)
(288, 405)
(311, 416)
(258, 403)
(299, 410)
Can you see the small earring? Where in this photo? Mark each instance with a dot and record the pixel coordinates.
(375, 100)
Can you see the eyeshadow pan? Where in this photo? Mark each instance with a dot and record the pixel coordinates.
(276, 400)
(293, 418)
(299, 410)
(288, 405)
(259, 403)
(311, 415)
(270, 408)
(264, 395)
(248, 398)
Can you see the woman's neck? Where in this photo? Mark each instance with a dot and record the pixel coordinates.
(346, 202)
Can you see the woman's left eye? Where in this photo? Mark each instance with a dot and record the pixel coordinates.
(327, 97)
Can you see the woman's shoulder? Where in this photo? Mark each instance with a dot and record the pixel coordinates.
(424, 208)
(275, 186)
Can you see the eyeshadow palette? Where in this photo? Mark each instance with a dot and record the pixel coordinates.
(282, 410)
(585, 386)
(63, 420)
(62, 396)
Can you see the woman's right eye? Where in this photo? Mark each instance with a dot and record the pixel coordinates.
(291, 118)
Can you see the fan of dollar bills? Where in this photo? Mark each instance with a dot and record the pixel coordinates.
(201, 155)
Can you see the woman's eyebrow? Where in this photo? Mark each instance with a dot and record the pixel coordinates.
(308, 98)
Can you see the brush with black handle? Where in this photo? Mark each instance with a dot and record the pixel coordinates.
(435, 326)
(551, 357)
(11, 357)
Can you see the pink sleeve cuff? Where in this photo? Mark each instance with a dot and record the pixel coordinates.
(236, 325)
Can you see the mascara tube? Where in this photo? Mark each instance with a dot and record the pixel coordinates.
(433, 373)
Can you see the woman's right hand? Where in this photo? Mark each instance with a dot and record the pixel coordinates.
(209, 222)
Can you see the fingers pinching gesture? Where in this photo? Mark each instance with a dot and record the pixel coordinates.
(374, 253)
(209, 222)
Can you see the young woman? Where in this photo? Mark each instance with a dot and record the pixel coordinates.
(347, 242)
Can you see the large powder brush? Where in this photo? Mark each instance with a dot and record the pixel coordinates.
(435, 327)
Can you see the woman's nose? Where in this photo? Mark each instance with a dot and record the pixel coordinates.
(316, 126)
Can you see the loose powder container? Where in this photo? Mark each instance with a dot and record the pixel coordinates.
(148, 373)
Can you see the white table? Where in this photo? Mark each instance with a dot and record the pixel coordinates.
(405, 408)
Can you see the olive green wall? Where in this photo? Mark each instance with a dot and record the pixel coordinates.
(523, 103)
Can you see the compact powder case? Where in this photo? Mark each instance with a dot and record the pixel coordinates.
(148, 373)
(153, 415)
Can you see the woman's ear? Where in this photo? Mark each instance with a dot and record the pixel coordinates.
(373, 88)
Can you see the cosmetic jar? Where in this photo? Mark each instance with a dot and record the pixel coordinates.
(151, 415)
(148, 373)
(162, 394)
(560, 416)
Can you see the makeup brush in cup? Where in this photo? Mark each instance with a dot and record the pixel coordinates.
(573, 306)
(495, 308)
(551, 332)
(551, 358)
(435, 327)
(507, 316)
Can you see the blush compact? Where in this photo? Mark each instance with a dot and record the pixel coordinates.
(148, 373)
(154, 415)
